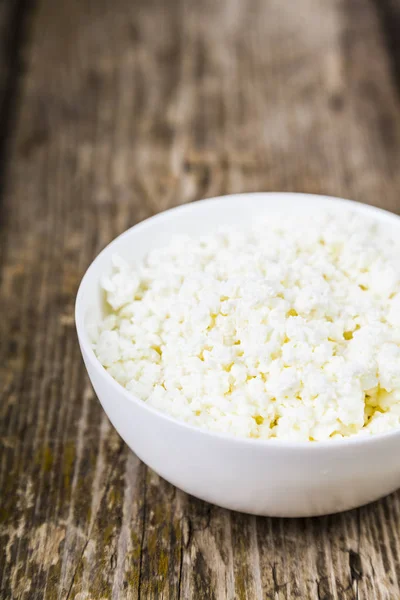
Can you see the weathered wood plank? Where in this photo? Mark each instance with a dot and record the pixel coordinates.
(5, 20)
(13, 34)
(389, 14)
(128, 109)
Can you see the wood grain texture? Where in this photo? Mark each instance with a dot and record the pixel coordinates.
(128, 108)
(5, 20)
(13, 29)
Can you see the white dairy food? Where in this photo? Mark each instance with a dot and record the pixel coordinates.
(287, 330)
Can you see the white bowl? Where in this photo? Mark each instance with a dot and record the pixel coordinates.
(263, 477)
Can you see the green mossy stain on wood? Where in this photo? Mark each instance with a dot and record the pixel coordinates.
(108, 534)
(5, 514)
(68, 464)
(47, 459)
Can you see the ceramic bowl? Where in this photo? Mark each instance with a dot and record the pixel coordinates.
(263, 477)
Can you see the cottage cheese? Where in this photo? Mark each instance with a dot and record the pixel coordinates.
(288, 330)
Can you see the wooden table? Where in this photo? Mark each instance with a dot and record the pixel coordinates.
(111, 111)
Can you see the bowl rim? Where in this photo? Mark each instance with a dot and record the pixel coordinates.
(87, 349)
